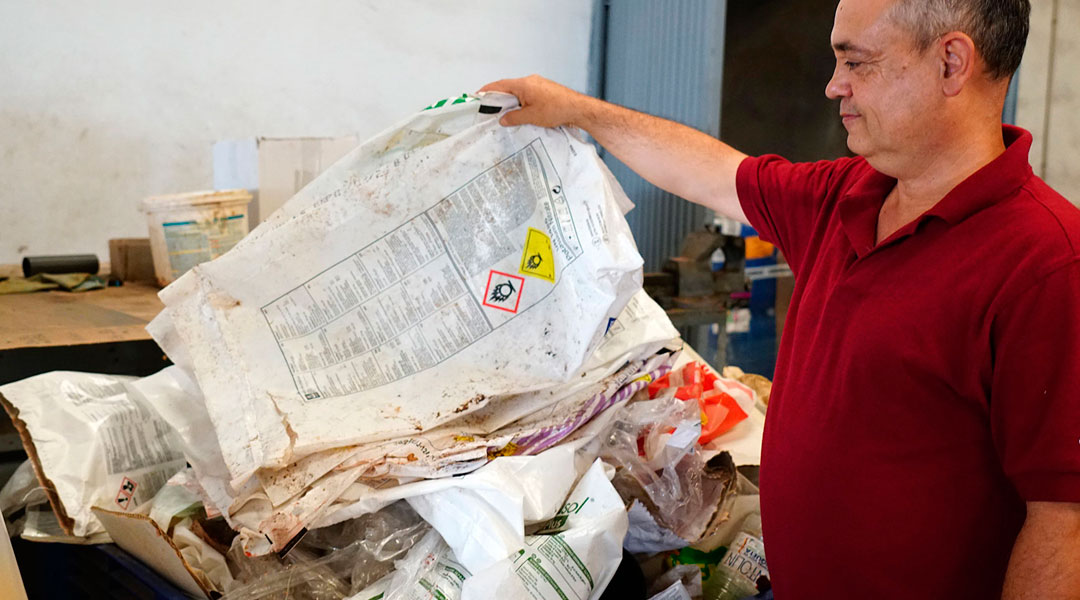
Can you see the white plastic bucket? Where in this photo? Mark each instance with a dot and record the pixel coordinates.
(188, 229)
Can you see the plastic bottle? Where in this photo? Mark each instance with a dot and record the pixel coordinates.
(737, 574)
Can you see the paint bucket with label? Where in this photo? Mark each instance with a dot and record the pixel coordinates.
(192, 228)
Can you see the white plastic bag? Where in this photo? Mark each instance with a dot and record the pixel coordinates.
(176, 399)
(498, 254)
(92, 442)
(483, 517)
(429, 571)
(574, 555)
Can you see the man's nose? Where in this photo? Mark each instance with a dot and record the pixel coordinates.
(838, 86)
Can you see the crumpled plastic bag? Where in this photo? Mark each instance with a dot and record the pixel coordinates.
(27, 513)
(91, 441)
(498, 254)
(574, 554)
(330, 563)
(660, 468)
(429, 570)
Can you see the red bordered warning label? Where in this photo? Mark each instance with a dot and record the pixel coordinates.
(503, 291)
(125, 498)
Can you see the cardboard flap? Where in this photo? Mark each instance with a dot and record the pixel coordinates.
(141, 537)
(66, 522)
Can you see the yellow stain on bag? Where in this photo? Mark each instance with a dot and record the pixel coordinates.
(538, 260)
(508, 450)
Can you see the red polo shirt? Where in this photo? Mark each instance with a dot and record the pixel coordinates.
(926, 386)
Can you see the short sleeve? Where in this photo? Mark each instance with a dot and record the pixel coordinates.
(783, 200)
(1035, 393)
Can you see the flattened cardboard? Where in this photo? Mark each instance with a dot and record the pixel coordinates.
(141, 537)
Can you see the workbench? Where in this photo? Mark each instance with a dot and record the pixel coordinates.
(100, 331)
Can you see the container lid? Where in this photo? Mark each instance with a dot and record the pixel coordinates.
(189, 199)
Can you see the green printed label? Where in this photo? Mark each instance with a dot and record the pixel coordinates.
(431, 589)
(459, 100)
(535, 562)
(558, 522)
(558, 540)
(454, 572)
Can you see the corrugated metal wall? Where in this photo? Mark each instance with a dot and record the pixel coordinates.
(663, 57)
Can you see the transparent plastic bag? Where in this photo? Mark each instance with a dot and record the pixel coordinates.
(300, 576)
(429, 570)
(653, 445)
(331, 563)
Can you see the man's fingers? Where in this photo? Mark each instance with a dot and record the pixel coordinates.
(494, 86)
(502, 85)
(537, 103)
(515, 117)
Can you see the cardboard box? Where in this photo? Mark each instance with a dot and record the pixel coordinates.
(273, 169)
(130, 259)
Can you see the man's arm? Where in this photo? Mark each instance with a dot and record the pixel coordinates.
(674, 157)
(1045, 560)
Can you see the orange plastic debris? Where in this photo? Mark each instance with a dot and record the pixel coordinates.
(719, 413)
(659, 384)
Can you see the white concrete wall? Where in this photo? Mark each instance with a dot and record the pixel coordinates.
(1049, 99)
(103, 103)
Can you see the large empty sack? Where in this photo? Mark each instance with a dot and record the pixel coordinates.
(444, 263)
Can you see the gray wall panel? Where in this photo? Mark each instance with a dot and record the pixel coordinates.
(664, 57)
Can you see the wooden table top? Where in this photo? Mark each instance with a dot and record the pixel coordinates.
(58, 318)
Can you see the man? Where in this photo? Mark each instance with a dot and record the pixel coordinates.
(923, 438)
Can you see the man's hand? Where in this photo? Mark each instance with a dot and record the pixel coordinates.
(1045, 560)
(543, 102)
(674, 157)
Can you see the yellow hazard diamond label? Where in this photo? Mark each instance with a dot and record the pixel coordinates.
(538, 260)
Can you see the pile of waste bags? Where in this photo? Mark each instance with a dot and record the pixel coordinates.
(432, 373)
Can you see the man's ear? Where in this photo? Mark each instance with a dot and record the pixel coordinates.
(958, 57)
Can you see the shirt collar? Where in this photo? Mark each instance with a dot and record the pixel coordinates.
(859, 208)
(998, 180)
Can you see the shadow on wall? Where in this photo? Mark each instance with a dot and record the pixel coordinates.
(777, 62)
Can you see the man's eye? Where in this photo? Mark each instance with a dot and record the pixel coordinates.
(852, 65)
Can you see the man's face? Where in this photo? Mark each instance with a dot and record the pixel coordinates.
(890, 95)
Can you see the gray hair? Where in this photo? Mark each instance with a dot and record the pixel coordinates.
(999, 28)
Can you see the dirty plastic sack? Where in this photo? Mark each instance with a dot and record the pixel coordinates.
(573, 555)
(92, 442)
(379, 539)
(498, 254)
(262, 524)
(648, 442)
